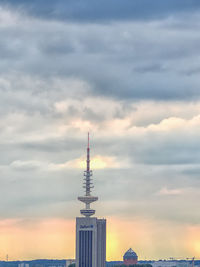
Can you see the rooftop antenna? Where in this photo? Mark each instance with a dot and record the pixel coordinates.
(88, 185)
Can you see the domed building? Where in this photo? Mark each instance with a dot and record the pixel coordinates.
(130, 257)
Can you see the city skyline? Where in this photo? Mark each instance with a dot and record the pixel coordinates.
(129, 74)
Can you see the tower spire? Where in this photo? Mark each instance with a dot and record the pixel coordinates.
(88, 153)
(87, 185)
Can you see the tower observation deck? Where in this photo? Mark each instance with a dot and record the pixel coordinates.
(88, 185)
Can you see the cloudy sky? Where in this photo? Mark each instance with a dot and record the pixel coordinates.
(128, 72)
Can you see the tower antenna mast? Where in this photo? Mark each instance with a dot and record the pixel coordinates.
(88, 185)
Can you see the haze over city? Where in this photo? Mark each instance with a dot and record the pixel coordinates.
(127, 72)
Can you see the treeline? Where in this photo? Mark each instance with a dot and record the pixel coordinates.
(122, 265)
(134, 265)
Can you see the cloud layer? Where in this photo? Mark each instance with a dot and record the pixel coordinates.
(92, 11)
(129, 74)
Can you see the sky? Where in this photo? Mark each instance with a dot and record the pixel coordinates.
(127, 71)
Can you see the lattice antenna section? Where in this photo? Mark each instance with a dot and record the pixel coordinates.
(88, 185)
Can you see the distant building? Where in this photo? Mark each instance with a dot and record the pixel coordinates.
(171, 263)
(40, 263)
(23, 264)
(130, 257)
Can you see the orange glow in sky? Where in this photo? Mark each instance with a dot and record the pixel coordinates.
(55, 238)
(97, 162)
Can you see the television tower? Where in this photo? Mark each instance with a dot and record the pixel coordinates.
(88, 185)
(90, 231)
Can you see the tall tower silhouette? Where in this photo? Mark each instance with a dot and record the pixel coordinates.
(88, 185)
(90, 231)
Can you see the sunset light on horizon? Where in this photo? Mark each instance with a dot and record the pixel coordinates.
(56, 237)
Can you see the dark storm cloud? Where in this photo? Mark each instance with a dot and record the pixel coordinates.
(156, 67)
(87, 10)
(120, 60)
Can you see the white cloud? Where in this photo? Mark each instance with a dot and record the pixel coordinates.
(8, 18)
(170, 192)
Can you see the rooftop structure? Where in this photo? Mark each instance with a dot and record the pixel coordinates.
(130, 257)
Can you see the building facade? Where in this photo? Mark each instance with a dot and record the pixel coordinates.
(90, 242)
(90, 231)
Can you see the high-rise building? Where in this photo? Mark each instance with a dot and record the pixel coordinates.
(90, 231)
